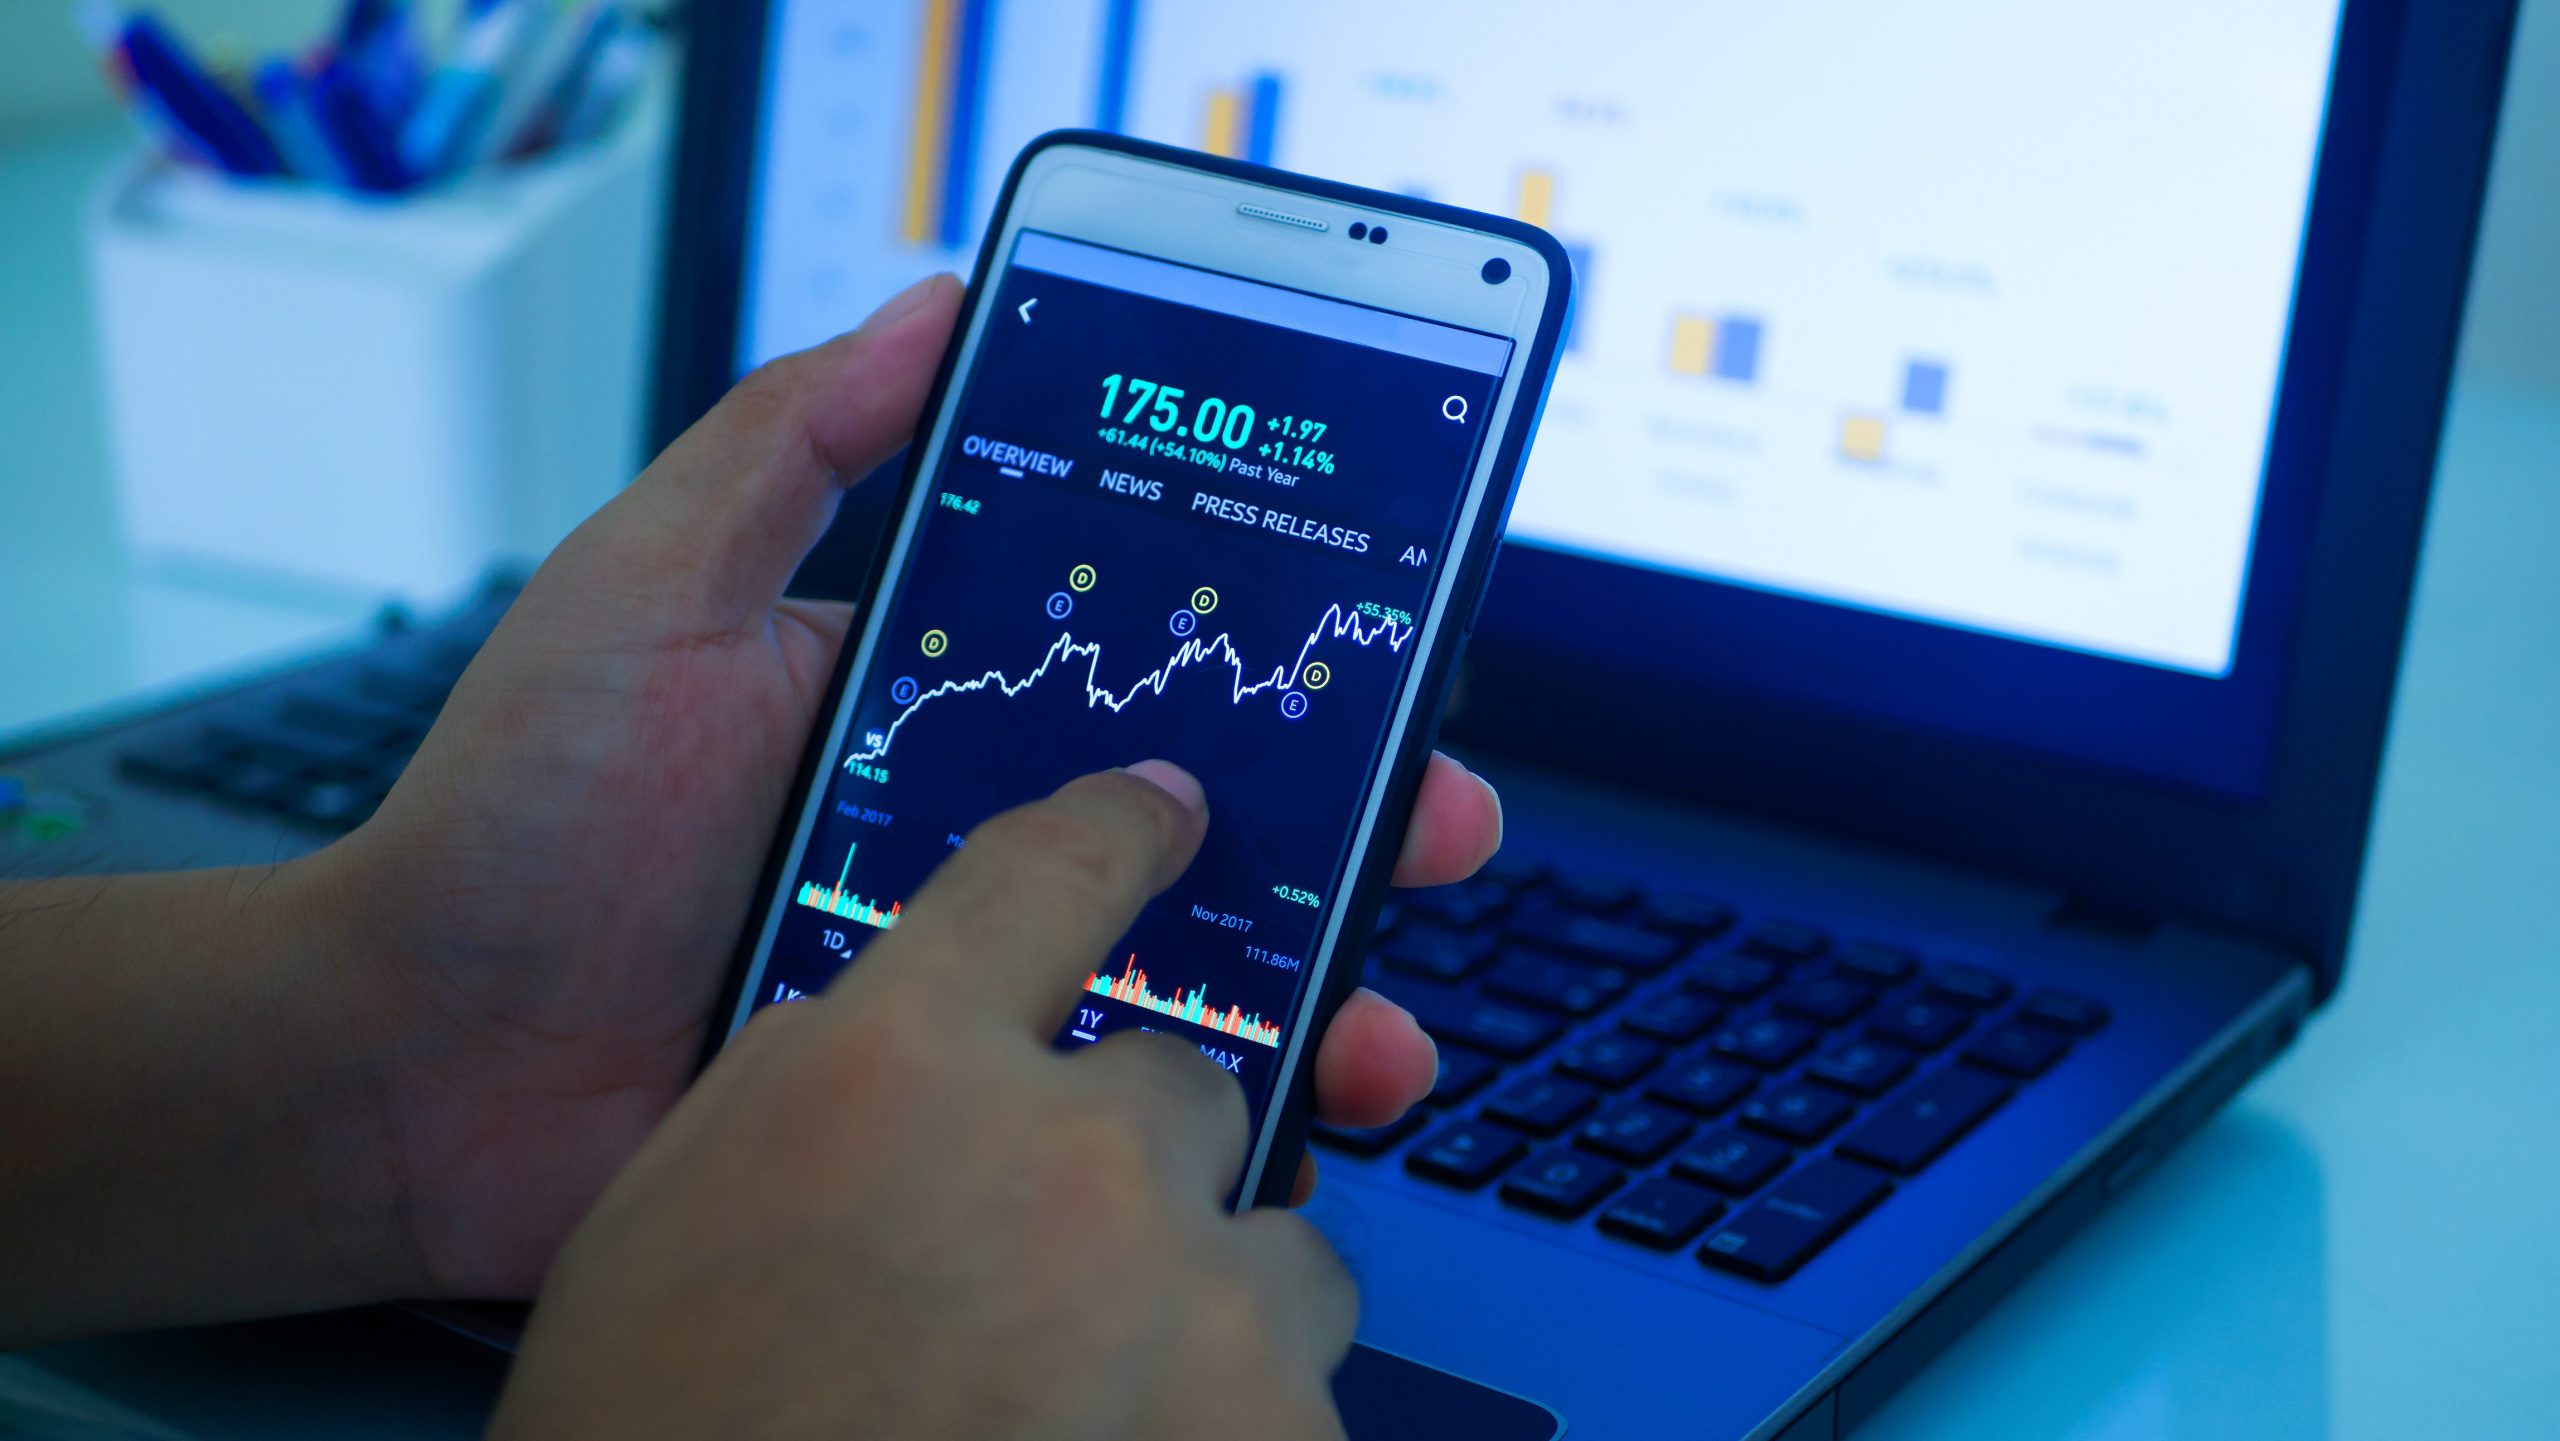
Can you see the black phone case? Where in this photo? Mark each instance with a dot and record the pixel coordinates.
(1293, 1108)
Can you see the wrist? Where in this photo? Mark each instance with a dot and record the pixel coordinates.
(194, 1104)
(339, 972)
(304, 960)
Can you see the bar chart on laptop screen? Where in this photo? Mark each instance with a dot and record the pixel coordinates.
(1931, 309)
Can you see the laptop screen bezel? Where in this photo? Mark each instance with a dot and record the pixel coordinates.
(2239, 800)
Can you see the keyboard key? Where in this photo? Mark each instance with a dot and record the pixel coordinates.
(1609, 1060)
(349, 719)
(1466, 1155)
(256, 784)
(1561, 1183)
(1885, 965)
(1420, 949)
(1802, 1114)
(2018, 1049)
(1541, 1105)
(447, 655)
(1661, 1214)
(1599, 895)
(1862, 1068)
(1770, 1239)
(1692, 916)
(420, 695)
(1512, 872)
(2080, 1015)
(1459, 906)
(1732, 1161)
(1372, 1141)
(1736, 978)
(1677, 1017)
(1972, 985)
(1770, 1041)
(1921, 1025)
(1607, 942)
(339, 805)
(1828, 999)
(1487, 1026)
(1912, 1129)
(281, 748)
(1554, 985)
(1785, 941)
(1462, 1074)
(1635, 1133)
(1702, 1085)
(190, 762)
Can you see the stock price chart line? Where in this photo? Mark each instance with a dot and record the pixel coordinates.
(1339, 622)
(1130, 986)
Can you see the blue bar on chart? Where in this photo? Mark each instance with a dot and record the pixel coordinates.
(1262, 129)
(1119, 45)
(949, 112)
(1924, 387)
(1738, 348)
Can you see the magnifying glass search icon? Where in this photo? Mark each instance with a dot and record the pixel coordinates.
(1454, 408)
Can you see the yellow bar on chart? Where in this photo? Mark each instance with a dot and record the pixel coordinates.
(1693, 342)
(930, 137)
(1862, 438)
(1537, 197)
(1222, 129)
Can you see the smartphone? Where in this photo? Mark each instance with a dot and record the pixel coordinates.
(1215, 470)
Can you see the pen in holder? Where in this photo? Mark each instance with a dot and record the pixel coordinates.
(383, 396)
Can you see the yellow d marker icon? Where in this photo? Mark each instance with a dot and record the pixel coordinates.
(935, 643)
(1081, 579)
(1204, 600)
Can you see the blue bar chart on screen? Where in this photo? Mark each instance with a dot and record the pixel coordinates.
(1798, 370)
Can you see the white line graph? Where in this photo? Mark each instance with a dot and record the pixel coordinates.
(1339, 622)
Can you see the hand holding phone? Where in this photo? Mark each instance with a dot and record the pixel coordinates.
(899, 1211)
(1216, 470)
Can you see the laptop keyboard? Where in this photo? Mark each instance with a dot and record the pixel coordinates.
(1675, 1073)
(324, 748)
(1659, 1066)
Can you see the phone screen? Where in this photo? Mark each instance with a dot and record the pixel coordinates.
(1178, 514)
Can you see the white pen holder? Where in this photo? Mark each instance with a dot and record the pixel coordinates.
(382, 395)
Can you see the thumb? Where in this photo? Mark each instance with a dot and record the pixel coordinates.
(735, 503)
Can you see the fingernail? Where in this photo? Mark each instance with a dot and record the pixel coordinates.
(904, 301)
(1174, 781)
(1496, 797)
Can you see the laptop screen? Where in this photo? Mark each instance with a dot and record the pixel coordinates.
(1971, 315)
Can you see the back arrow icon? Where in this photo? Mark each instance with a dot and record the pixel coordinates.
(1024, 310)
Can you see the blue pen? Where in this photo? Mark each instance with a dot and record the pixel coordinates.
(388, 58)
(444, 132)
(195, 104)
(356, 23)
(285, 100)
(356, 135)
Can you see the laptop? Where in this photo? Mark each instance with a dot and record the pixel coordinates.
(1936, 680)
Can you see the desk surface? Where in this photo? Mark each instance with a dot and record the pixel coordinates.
(2363, 1246)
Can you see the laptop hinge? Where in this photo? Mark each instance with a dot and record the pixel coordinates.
(2103, 918)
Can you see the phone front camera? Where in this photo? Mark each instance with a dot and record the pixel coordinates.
(1359, 230)
(1496, 271)
(1377, 235)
